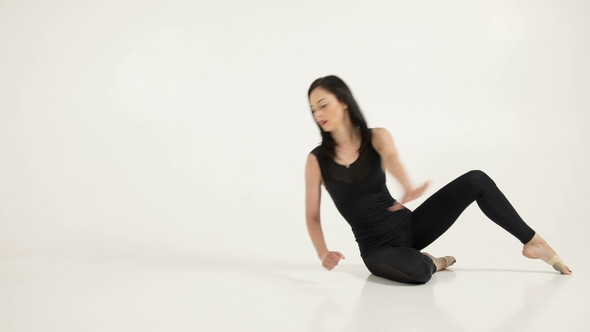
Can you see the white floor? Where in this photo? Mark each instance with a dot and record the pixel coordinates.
(205, 293)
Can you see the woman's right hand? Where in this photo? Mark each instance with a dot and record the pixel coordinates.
(331, 259)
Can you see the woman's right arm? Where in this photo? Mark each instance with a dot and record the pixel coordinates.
(313, 182)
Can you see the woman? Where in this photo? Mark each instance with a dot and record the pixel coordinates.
(351, 162)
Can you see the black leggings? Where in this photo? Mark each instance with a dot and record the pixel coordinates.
(402, 261)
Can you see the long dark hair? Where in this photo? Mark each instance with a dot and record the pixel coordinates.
(337, 86)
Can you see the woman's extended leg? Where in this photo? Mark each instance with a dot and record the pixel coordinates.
(433, 217)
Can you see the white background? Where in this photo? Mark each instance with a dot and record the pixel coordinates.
(152, 161)
(165, 128)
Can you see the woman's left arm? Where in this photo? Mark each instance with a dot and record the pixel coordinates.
(383, 143)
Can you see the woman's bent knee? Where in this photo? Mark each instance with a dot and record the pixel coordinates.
(477, 178)
(477, 174)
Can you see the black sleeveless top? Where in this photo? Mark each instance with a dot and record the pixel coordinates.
(361, 196)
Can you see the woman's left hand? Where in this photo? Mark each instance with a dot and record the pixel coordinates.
(409, 196)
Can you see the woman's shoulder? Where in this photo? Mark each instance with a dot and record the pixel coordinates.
(379, 133)
(317, 151)
(380, 136)
(315, 156)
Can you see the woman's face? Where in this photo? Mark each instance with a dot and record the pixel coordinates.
(327, 110)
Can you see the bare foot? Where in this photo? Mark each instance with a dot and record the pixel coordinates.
(441, 262)
(537, 248)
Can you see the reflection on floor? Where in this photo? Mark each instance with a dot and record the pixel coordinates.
(216, 294)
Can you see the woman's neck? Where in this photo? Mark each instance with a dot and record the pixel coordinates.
(346, 136)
